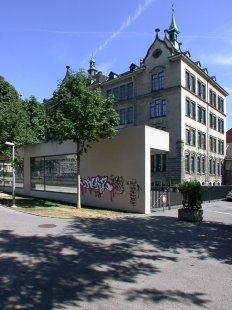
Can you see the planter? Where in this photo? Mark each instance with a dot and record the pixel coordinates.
(190, 215)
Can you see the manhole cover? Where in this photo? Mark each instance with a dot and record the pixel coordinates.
(46, 225)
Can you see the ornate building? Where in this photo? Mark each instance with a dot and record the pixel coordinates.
(170, 91)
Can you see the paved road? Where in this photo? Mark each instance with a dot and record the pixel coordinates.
(139, 262)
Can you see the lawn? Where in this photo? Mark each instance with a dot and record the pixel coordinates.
(59, 209)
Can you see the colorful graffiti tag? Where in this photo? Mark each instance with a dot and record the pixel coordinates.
(98, 185)
(114, 185)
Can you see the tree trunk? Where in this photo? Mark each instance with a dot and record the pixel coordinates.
(78, 179)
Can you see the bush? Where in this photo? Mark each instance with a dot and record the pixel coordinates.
(192, 192)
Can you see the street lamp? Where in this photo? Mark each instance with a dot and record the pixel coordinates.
(13, 172)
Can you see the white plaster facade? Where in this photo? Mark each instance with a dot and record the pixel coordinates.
(126, 156)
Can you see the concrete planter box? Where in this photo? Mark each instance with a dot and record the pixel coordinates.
(190, 215)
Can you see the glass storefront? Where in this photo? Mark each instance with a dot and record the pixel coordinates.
(6, 173)
(54, 173)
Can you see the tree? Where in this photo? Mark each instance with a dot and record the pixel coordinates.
(37, 119)
(17, 124)
(81, 114)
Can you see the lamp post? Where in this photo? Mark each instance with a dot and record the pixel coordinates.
(13, 172)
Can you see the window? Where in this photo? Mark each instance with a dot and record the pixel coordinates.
(122, 114)
(187, 163)
(115, 93)
(214, 145)
(158, 81)
(160, 162)
(203, 164)
(54, 173)
(210, 166)
(198, 164)
(158, 108)
(212, 121)
(187, 80)
(212, 98)
(222, 147)
(220, 104)
(161, 80)
(199, 139)
(204, 141)
(126, 116)
(190, 81)
(190, 109)
(37, 173)
(130, 115)
(201, 115)
(220, 125)
(218, 169)
(193, 84)
(193, 132)
(192, 163)
(123, 92)
(190, 136)
(219, 146)
(130, 90)
(108, 93)
(214, 167)
(201, 90)
(6, 173)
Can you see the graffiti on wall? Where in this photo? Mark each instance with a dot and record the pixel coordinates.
(97, 185)
(115, 185)
(118, 183)
(134, 191)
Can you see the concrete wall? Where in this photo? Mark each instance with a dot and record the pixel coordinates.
(124, 161)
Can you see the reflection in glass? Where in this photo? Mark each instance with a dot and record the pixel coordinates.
(6, 173)
(54, 173)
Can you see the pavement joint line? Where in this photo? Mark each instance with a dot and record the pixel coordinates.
(218, 212)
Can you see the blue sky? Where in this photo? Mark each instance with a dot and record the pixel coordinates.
(39, 38)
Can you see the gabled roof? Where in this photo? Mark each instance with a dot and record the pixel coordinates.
(229, 151)
(229, 136)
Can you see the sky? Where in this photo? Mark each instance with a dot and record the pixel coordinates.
(39, 38)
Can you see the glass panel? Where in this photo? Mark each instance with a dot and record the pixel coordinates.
(155, 85)
(61, 173)
(130, 90)
(123, 94)
(122, 116)
(5, 173)
(130, 115)
(37, 173)
(115, 93)
(19, 173)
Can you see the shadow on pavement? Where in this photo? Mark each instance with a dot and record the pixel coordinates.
(48, 272)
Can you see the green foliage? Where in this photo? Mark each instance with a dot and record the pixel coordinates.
(18, 122)
(37, 119)
(81, 113)
(192, 192)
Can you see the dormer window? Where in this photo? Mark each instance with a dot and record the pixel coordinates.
(133, 67)
(112, 75)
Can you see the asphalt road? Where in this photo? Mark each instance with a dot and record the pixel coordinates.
(139, 262)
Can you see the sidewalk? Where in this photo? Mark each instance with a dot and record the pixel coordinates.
(138, 262)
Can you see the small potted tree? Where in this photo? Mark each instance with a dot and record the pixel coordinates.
(192, 192)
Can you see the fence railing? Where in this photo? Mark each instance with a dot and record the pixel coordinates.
(167, 197)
